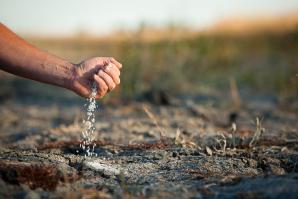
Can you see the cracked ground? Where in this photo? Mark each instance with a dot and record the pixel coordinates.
(184, 150)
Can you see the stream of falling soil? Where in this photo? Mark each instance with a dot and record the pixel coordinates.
(88, 132)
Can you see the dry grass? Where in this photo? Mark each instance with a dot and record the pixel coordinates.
(258, 133)
(154, 119)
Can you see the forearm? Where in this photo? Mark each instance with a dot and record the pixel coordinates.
(20, 58)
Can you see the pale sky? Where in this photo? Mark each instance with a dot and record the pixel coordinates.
(54, 17)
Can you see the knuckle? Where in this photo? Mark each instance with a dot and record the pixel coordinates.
(117, 70)
(102, 87)
(113, 74)
(106, 77)
(110, 79)
(108, 68)
(103, 74)
(112, 85)
(105, 88)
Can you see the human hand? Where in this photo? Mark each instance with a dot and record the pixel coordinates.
(104, 71)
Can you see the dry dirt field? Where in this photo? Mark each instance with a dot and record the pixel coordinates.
(187, 149)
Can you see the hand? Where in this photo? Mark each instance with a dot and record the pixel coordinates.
(104, 71)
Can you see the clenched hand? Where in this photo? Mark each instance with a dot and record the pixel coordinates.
(105, 71)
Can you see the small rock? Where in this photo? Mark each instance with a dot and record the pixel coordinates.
(209, 151)
(284, 150)
(102, 167)
(276, 170)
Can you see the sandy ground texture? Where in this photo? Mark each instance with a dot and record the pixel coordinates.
(184, 150)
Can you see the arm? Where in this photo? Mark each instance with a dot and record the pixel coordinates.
(22, 59)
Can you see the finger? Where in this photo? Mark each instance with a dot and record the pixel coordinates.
(113, 72)
(101, 85)
(108, 80)
(118, 64)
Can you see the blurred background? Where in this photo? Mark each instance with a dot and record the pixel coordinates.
(204, 50)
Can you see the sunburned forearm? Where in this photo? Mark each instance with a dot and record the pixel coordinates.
(20, 58)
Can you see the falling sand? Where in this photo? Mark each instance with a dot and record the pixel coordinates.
(88, 144)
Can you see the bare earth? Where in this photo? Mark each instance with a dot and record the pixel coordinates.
(184, 150)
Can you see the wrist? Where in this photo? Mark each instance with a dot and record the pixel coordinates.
(59, 72)
(71, 76)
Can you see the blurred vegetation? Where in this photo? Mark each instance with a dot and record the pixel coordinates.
(262, 62)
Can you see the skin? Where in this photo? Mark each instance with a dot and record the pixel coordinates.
(23, 59)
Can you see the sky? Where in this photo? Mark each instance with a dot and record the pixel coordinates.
(64, 17)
